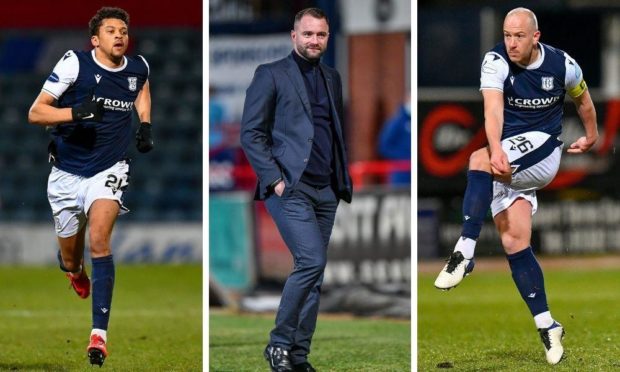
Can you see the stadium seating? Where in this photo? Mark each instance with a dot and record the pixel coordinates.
(165, 185)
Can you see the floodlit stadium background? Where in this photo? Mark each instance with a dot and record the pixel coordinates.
(483, 324)
(165, 193)
(371, 242)
(579, 211)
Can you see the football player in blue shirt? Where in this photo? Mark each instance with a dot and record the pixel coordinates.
(87, 102)
(523, 84)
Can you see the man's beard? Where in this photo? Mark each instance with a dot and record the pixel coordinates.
(304, 52)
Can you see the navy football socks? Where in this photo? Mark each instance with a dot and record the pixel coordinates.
(476, 203)
(528, 277)
(103, 284)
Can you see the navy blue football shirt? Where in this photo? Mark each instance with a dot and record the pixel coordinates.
(533, 94)
(87, 148)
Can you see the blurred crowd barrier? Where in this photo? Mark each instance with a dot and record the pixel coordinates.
(370, 243)
(36, 244)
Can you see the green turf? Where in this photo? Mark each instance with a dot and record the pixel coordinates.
(484, 325)
(156, 321)
(236, 343)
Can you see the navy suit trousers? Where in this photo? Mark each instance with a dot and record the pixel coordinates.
(305, 218)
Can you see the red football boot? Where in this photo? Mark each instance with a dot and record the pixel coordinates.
(97, 351)
(80, 283)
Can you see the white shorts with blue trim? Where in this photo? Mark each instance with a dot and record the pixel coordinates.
(71, 196)
(535, 159)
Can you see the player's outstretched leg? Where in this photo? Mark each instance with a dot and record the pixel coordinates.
(103, 285)
(476, 203)
(528, 277)
(79, 280)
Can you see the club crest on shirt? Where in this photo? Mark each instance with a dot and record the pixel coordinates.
(547, 83)
(133, 83)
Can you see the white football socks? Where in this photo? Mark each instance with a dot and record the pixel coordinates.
(101, 333)
(543, 320)
(466, 246)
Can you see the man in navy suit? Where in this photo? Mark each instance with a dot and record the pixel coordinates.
(292, 134)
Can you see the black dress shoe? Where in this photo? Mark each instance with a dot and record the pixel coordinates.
(303, 367)
(278, 359)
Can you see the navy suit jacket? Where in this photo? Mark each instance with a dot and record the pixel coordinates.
(277, 129)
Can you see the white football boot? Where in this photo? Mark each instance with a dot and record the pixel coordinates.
(455, 270)
(552, 339)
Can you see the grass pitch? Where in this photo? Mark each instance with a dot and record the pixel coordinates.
(155, 324)
(484, 325)
(237, 341)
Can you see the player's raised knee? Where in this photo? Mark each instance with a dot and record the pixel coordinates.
(480, 160)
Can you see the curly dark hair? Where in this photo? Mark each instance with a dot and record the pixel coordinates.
(103, 13)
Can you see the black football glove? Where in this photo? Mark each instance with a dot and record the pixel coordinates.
(88, 110)
(144, 137)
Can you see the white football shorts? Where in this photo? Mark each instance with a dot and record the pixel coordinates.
(535, 159)
(71, 196)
